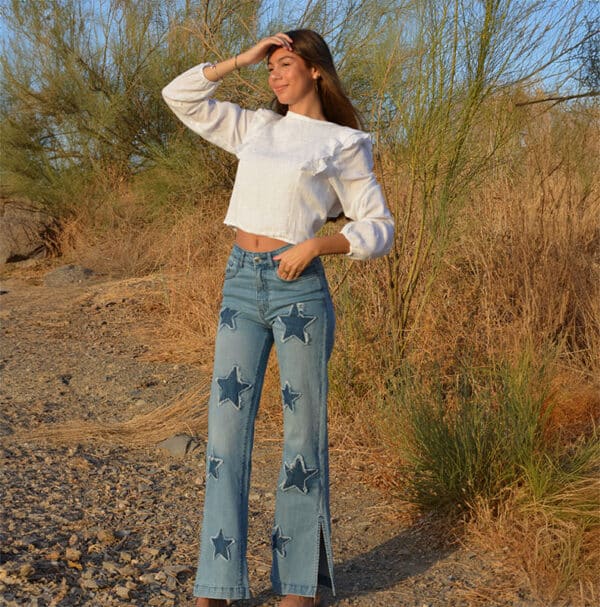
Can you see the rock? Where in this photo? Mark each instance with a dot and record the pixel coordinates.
(88, 584)
(26, 231)
(72, 554)
(179, 445)
(161, 576)
(67, 275)
(122, 592)
(26, 570)
(106, 536)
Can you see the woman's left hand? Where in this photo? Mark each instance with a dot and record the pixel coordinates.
(294, 260)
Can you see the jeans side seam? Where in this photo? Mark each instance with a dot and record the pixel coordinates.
(245, 485)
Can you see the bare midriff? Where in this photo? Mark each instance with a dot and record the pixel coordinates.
(257, 243)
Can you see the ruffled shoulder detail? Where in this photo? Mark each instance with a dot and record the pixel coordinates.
(325, 162)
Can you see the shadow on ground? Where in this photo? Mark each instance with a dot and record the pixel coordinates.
(379, 569)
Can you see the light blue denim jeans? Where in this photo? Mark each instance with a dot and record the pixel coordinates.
(260, 309)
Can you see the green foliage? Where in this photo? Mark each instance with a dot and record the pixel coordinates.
(473, 440)
(81, 90)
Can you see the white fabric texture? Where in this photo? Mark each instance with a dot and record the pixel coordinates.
(294, 171)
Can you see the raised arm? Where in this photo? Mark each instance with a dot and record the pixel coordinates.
(190, 97)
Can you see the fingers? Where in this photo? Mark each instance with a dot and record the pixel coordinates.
(289, 272)
(279, 39)
(290, 276)
(258, 52)
(283, 40)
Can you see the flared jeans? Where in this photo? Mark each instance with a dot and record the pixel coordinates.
(260, 309)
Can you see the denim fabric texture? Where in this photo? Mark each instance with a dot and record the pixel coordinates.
(260, 310)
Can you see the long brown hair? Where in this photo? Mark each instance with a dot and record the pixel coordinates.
(335, 103)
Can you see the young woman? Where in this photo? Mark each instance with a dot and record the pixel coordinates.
(298, 166)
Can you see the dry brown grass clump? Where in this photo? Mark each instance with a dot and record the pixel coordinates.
(185, 413)
(543, 543)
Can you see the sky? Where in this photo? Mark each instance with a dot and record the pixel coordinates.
(554, 78)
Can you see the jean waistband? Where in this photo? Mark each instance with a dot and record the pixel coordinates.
(255, 258)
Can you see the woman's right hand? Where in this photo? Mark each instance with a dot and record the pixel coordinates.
(258, 52)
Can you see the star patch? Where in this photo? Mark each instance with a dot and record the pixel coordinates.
(222, 544)
(295, 324)
(289, 396)
(227, 318)
(213, 466)
(297, 475)
(278, 541)
(231, 388)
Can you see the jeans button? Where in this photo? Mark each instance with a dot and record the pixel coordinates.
(256, 259)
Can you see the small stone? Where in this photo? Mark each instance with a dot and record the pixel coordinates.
(26, 570)
(106, 536)
(125, 557)
(72, 554)
(110, 566)
(171, 583)
(161, 576)
(88, 584)
(128, 571)
(73, 540)
(179, 445)
(122, 592)
(167, 594)
(146, 578)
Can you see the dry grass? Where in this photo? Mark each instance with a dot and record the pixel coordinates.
(557, 555)
(182, 414)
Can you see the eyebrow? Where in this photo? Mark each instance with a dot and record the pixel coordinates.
(290, 54)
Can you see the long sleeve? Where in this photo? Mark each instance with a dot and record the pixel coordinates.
(190, 97)
(371, 231)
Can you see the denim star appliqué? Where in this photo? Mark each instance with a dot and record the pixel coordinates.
(231, 388)
(227, 318)
(289, 396)
(221, 545)
(213, 466)
(297, 475)
(295, 324)
(278, 541)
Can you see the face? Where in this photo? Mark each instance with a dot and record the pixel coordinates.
(290, 79)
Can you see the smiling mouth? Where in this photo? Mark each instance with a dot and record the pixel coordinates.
(278, 89)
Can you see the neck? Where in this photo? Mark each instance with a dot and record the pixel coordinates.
(310, 107)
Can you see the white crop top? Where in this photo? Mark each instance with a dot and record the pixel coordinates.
(294, 171)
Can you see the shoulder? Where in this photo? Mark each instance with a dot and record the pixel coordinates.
(264, 116)
(345, 138)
